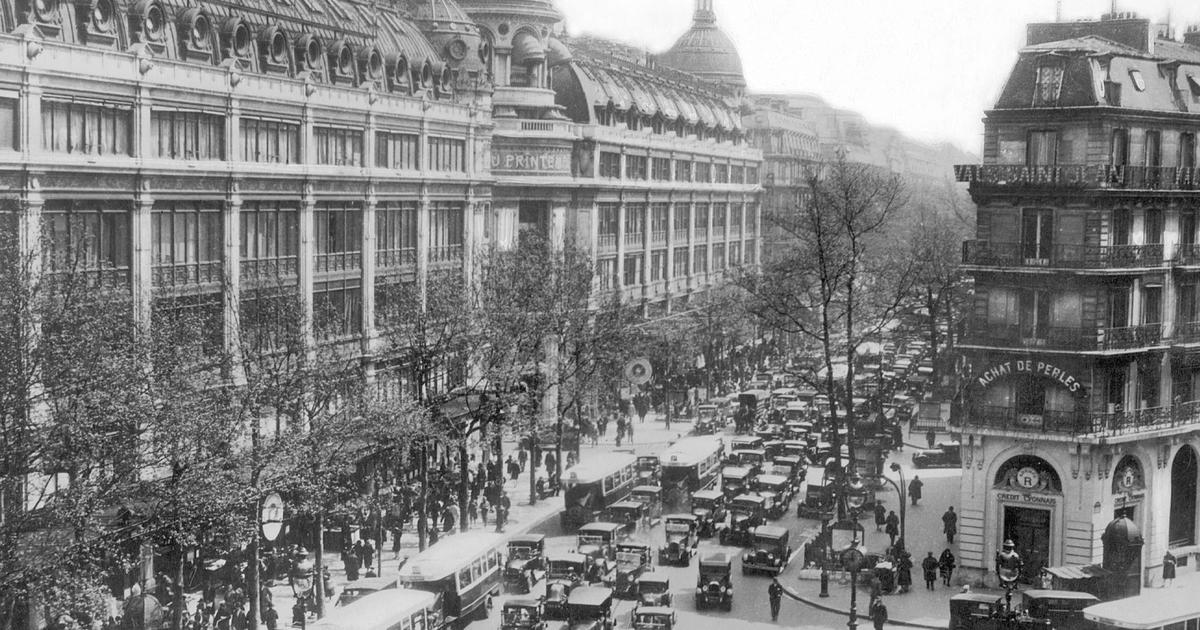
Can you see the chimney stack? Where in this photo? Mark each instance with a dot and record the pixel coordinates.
(1191, 36)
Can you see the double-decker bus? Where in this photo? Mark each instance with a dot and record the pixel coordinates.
(689, 465)
(463, 571)
(591, 488)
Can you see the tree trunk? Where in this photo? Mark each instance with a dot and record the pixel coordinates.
(319, 564)
(532, 480)
(464, 487)
(254, 586)
(179, 600)
(423, 499)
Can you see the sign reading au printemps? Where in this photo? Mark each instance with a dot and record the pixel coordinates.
(1032, 367)
(529, 160)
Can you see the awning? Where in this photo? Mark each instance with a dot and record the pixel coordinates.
(1079, 572)
(706, 115)
(527, 49)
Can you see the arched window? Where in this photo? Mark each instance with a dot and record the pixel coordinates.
(1183, 498)
(1028, 473)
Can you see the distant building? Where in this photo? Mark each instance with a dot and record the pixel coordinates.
(1083, 345)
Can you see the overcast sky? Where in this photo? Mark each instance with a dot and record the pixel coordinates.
(926, 67)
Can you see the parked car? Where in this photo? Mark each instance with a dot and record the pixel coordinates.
(946, 455)
(653, 589)
(525, 560)
(633, 559)
(770, 551)
(654, 618)
(590, 608)
(746, 513)
(563, 574)
(709, 508)
(713, 584)
(681, 539)
(523, 614)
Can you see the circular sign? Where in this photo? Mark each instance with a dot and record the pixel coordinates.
(1127, 478)
(270, 516)
(1028, 478)
(638, 371)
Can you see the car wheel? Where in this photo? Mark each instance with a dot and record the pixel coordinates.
(728, 606)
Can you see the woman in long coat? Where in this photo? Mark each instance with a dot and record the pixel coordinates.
(946, 565)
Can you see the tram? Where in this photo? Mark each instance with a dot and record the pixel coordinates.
(689, 465)
(591, 488)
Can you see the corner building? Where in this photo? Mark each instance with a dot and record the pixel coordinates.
(1082, 348)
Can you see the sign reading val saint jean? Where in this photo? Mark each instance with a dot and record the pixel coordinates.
(1036, 368)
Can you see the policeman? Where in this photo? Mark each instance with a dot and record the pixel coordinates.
(775, 594)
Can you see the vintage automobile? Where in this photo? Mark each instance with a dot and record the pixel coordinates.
(769, 432)
(946, 455)
(563, 574)
(681, 539)
(818, 501)
(526, 557)
(651, 498)
(654, 618)
(708, 420)
(654, 589)
(633, 559)
(769, 553)
(745, 443)
(648, 469)
(714, 586)
(795, 448)
(359, 589)
(779, 485)
(630, 514)
(598, 539)
(709, 508)
(523, 614)
(590, 608)
(790, 467)
(773, 449)
(754, 460)
(745, 513)
(736, 481)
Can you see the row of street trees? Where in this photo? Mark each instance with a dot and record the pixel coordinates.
(118, 438)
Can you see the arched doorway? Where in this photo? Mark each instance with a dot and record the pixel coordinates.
(1028, 491)
(1183, 498)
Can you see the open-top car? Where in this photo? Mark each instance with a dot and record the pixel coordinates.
(769, 553)
(709, 508)
(633, 559)
(654, 618)
(681, 536)
(590, 608)
(523, 614)
(651, 498)
(777, 489)
(525, 560)
(745, 513)
(714, 586)
(654, 589)
(945, 455)
(599, 539)
(563, 574)
(736, 481)
(648, 469)
(630, 514)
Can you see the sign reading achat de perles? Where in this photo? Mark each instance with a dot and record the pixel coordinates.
(1032, 367)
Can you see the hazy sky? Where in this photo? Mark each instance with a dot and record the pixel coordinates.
(926, 67)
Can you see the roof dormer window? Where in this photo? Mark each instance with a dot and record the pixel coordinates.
(1049, 85)
(1139, 82)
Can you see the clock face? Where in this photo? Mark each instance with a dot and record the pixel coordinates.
(1027, 478)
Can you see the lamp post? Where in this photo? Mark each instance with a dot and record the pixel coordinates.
(852, 558)
(1008, 569)
(900, 489)
(301, 581)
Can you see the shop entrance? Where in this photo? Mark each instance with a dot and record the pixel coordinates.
(1029, 529)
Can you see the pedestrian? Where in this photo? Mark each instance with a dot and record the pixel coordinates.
(239, 618)
(892, 526)
(352, 564)
(775, 595)
(602, 425)
(898, 438)
(551, 463)
(484, 506)
(1168, 572)
(929, 567)
(880, 516)
(368, 554)
(904, 571)
(946, 566)
(641, 404)
(620, 428)
(879, 613)
(950, 525)
(472, 511)
(522, 458)
(271, 617)
(914, 489)
(931, 437)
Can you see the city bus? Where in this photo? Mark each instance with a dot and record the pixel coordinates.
(387, 609)
(591, 488)
(1159, 609)
(464, 571)
(690, 465)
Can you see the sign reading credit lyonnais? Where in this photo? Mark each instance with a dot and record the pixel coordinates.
(1036, 368)
(531, 160)
(1035, 499)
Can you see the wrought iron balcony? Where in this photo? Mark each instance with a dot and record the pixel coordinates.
(1056, 338)
(993, 254)
(1082, 423)
(1079, 176)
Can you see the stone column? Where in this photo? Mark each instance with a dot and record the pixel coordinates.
(306, 260)
(369, 245)
(232, 295)
(620, 284)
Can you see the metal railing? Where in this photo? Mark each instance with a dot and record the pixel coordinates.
(1059, 338)
(1001, 254)
(1082, 422)
(1080, 176)
(606, 242)
(389, 258)
(182, 274)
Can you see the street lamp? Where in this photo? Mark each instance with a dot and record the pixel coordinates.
(856, 496)
(1008, 569)
(903, 500)
(302, 581)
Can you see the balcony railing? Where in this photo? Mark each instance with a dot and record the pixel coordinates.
(391, 258)
(1080, 176)
(607, 242)
(658, 236)
(679, 236)
(635, 240)
(338, 261)
(994, 254)
(1056, 338)
(183, 274)
(1083, 423)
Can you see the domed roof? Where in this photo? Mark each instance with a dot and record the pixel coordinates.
(706, 51)
(1122, 531)
(441, 10)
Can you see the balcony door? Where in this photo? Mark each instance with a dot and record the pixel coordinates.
(1031, 401)
(1037, 236)
(1042, 149)
(1034, 314)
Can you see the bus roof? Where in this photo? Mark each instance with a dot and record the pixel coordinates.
(593, 471)
(447, 556)
(601, 527)
(1151, 609)
(377, 611)
(1035, 593)
(691, 450)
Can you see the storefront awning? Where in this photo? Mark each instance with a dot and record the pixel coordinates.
(1078, 572)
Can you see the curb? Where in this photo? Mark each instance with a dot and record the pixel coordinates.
(790, 592)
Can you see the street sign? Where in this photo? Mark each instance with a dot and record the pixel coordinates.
(270, 516)
(638, 371)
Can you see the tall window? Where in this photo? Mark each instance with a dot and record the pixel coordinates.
(1034, 314)
(1153, 148)
(1042, 149)
(1187, 150)
(748, 255)
(396, 234)
(737, 174)
(735, 253)
(88, 237)
(633, 270)
(270, 239)
(448, 155)
(635, 224)
(721, 173)
(1037, 234)
(751, 174)
(703, 172)
(635, 167)
(610, 165)
(661, 169)
(183, 135)
(608, 219)
(86, 128)
(446, 232)
(736, 212)
(271, 141)
(700, 259)
(1152, 301)
(1049, 85)
(683, 219)
(683, 170)
(338, 146)
(337, 307)
(718, 257)
(719, 214)
(658, 222)
(658, 265)
(8, 123)
(1119, 150)
(188, 242)
(397, 150)
(337, 228)
(681, 268)
(606, 272)
(700, 213)
(1155, 226)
